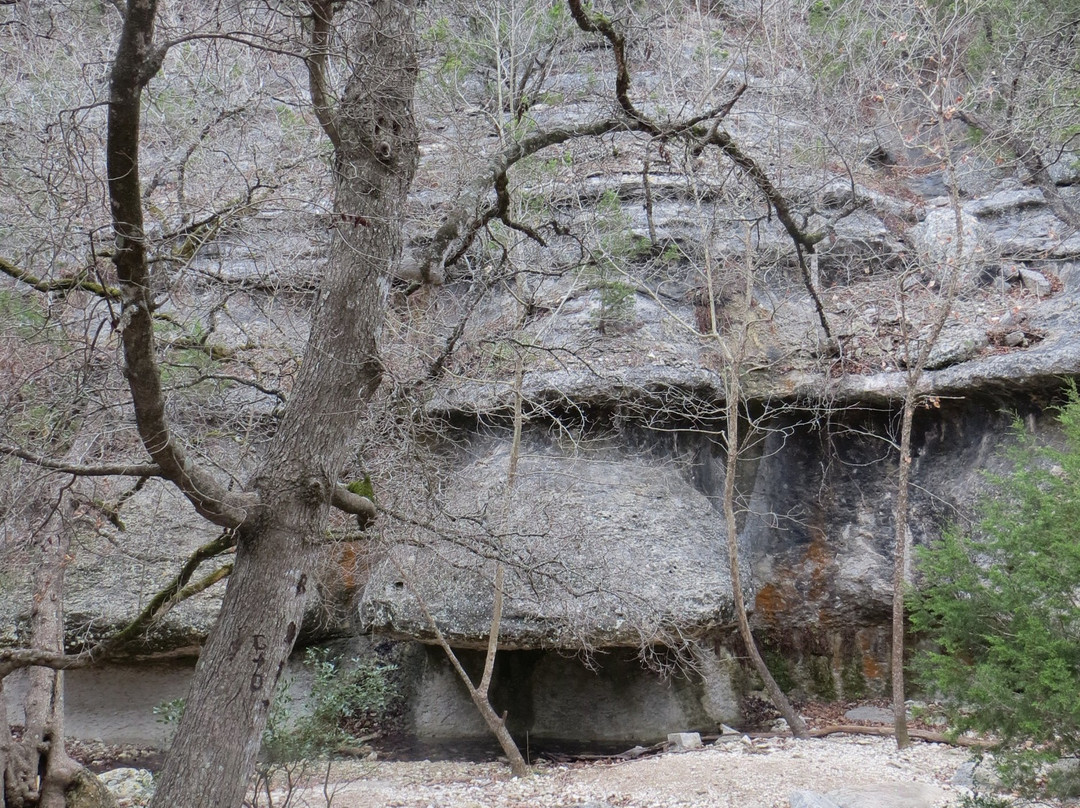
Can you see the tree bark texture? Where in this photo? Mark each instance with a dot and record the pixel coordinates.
(135, 63)
(903, 487)
(237, 675)
(36, 769)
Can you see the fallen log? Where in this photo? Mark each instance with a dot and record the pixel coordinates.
(859, 729)
(921, 734)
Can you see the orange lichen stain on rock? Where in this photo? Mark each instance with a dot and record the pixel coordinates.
(770, 603)
(871, 667)
(348, 564)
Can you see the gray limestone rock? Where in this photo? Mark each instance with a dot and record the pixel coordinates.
(612, 537)
(965, 775)
(620, 544)
(1005, 202)
(115, 572)
(956, 345)
(1035, 282)
(683, 741)
(129, 786)
(1064, 168)
(87, 791)
(547, 695)
(937, 244)
(601, 548)
(890, 795)
(878, 715)
(810, 799)
(977, 175)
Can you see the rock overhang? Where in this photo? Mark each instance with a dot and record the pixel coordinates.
(598, 551)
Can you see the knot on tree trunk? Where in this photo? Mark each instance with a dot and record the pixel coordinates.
(313, 490)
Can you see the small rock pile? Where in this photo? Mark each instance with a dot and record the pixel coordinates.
(132, 788)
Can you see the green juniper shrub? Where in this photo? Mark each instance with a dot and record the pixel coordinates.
(984, 801)
(1001, 602)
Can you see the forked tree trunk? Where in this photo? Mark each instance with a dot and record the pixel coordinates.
(733, 400)
(37, 770)
(241, 664)
(480, 694)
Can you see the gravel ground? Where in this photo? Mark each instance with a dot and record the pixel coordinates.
(748, 774)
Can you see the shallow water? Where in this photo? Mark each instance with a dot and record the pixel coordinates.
(113, 703)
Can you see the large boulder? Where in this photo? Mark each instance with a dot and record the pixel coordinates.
(634, 518)
(87, 791)
(948, 240)
(601, 549)
(118, 567)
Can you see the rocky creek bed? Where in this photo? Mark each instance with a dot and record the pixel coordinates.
(856, 771)
(835, 771)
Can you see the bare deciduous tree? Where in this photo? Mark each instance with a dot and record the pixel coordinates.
(375, 152)
(280, 514)
(912, 82)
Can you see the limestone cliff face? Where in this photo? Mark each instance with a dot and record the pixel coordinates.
(114, 573)
(613, 537)
(627, 325)
(617, 509)
(627, 356)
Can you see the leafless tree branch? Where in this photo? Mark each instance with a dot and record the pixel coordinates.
(178, 590)
(78, 470)
(363, 508)
(1032, 162)
(135, 64)
(77, 282)
(322, 14)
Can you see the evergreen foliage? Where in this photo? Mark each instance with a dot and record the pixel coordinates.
(1002, 602)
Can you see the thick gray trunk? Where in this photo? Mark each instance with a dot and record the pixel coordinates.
(219, 735)
(375, 159)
